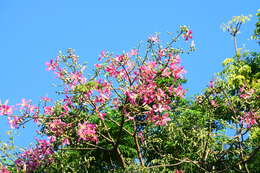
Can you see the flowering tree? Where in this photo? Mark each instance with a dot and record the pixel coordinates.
(130, 114)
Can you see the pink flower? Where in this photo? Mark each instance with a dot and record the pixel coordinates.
(162, 121)
(57, 127)
(46, 99)
(249, 119)
(98, 66)
(112, 71)
(242, 89)
(76, 78)
(68, 100)
(187, 35)
(101, 115)
(65, 108)
(161, 52)
(52, 139)
(178, 72)
(5, 109)
(116, 102)
(247, 94)
(48, 110)
(33, 109)
(158, 108)
(133, 52)
(60, 73)
(177, 59)
(87, 132)
(51, 65)
(65, 141)
(121, 58)
(24, 103)
(153, 39)
(179, 91)
(4, 170)
(103, 54)
(141, 135)
(14, 123)
(211, 84)
(213, 103)
(33, 158)
(101, 99)
(166, 72)
(131, 96)
(130, 118)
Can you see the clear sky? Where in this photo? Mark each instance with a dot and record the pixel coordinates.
(32, 32)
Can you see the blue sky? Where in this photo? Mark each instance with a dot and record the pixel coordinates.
(32, 32)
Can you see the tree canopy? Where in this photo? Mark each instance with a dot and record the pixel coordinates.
(130, 113)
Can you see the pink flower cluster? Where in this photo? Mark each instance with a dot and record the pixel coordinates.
(87, 132)
(35, 157)
(249, 119)
(75, 78)
(57, 127)
(187, 35)
(136, 84)
(25, 107)
(14, 122)
(71, 78)
(153, 39)
(246, 94)
(46, 99)
(140, 87)
(161, 120)
(5, 109)
(52, 65)
(213, 103)
(4, 170)
(211, 83)
(103, 90)
(119, 66)
(147, 92)
(48, 110)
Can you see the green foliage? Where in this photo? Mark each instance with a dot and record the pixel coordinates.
(233, 26)
(256, 35)
(8, 150)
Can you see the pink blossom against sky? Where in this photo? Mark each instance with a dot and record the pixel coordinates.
(34, 32)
